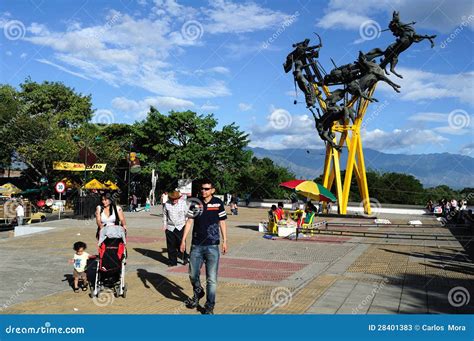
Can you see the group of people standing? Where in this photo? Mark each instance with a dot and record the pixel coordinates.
(206, 217)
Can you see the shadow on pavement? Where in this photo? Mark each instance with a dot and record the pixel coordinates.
(458, 261)
(449, 293)
(465, 238)
(436, 295)
(248, 227)
(163, 285)
(156, 255)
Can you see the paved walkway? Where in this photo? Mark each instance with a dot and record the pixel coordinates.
(323, 274)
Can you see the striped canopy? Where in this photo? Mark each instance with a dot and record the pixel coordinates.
(310, 189)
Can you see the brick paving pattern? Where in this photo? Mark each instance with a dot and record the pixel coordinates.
(321, 274)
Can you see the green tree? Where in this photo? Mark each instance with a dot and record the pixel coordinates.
(40, 120)
(261, 179)
(9, 109)
(184, 145)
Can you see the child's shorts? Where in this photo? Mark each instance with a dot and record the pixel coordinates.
(80, 275)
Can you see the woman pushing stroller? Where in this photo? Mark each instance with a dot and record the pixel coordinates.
(111, 236)
(110, 220)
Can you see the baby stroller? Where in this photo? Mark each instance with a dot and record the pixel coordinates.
(110, 271)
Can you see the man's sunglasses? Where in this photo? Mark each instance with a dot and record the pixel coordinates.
(206, 188)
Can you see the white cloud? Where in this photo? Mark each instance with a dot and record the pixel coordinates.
(9, 53)
(38, 29)
(284, 130)
(342, 19)
(129, 49)
(62, 68)
(104, 116)
(437, 15)
(281, 122)
(125, 104)
(400, 139)
(247, 49)
(457, 122)
(453, 130)
(220, 69)
(209, 107)
(217, 69)
(417, 85)
(229, 17)
(141, 108)
(468, 149)
(173, 9)
(245, 107)
(429, 117)
(288, 141)
(23, 55)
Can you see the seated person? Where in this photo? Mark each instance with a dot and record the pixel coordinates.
(111, 231)
(272, 220)
(310, 212)
(279, 211)
(271, 212)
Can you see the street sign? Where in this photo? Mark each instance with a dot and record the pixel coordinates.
(60, 187)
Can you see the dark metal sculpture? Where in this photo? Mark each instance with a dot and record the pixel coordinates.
(324, 123)
(372, 73)
(357, 77)
(303, 59)
(406, 36)
(368, 73)
(342, 74)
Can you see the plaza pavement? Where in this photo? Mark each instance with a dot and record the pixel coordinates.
(321, 274)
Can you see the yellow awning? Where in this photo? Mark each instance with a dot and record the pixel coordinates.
(9, 189)
(110, 185)
(95, 184)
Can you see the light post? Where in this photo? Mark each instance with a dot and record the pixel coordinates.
(133, 167)
(128, 174)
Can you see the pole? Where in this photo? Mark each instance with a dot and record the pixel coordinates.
(85, 163)
(128, 176)
(60, 207)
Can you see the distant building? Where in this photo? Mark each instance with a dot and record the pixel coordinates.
(9, 173)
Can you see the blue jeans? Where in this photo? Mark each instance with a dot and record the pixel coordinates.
(209, 255)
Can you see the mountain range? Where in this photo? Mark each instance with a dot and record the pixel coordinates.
(456, 171)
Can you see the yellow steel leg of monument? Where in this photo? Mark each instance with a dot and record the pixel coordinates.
(351, 138)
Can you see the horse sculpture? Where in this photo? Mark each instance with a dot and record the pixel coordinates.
(406, 36)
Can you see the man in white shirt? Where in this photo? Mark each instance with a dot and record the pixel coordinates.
(174, 219)
(20, 213)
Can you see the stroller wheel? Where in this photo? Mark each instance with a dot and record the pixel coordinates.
(124, 294)
(117, 290)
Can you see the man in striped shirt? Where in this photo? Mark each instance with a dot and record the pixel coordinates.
(208, 216)
(174, 219)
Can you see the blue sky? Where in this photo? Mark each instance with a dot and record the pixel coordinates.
(225, 57)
